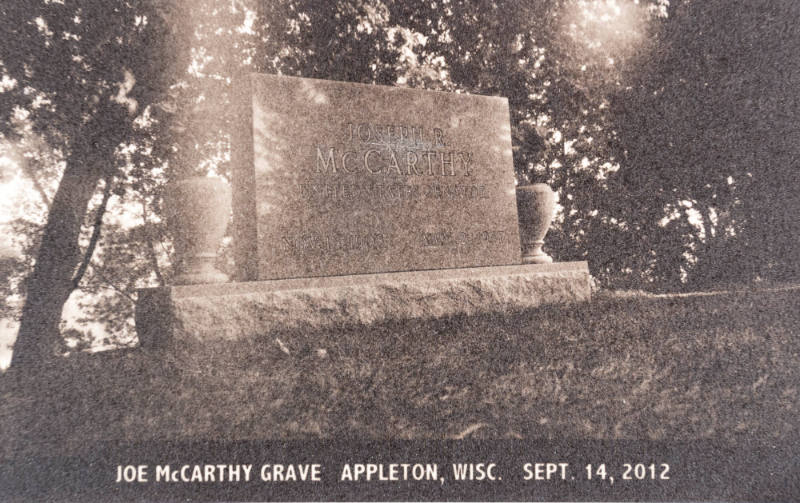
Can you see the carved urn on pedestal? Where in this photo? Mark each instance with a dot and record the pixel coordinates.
(535, 208)
(197, 211)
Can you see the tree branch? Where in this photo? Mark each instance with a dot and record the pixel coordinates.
(112, 285)
(98, 222)
(151, 251)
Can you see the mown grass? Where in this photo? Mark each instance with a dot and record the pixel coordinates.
(720, 366)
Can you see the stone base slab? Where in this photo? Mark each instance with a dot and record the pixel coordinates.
(241, 311)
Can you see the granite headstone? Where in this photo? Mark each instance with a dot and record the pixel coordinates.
(335, 178)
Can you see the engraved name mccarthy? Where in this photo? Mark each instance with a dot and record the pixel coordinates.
(392, 149)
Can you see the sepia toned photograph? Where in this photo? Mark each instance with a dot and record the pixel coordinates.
(379, 250)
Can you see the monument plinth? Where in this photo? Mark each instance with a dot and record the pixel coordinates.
(252, 310)
(356, 204)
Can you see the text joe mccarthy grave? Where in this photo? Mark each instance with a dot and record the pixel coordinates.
(356, 204)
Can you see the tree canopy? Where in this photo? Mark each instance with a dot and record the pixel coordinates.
(78, 77)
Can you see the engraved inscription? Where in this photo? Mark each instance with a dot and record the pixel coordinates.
(392, 191)
(392, 149)
(393, 134)
(462, 238)
(334, 242)
(332, 160)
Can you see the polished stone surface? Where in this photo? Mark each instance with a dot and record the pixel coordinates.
(200, 314)
(334, 178)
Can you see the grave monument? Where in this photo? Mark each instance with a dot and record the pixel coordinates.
(356, 204)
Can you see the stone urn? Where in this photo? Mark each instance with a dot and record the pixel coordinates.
(536, 205)
(197, 211)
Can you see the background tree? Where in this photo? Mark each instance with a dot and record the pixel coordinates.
(79, 75)
(707, 130)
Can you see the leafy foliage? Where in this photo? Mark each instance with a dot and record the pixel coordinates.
(78, 77)
(706, 131)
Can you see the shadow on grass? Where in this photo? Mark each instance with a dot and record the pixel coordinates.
(721, 366)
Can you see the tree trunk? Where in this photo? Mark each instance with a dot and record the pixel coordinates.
(50, 284)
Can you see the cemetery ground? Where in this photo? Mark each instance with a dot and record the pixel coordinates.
(717, 366)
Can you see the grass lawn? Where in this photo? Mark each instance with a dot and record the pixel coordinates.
(715, 366)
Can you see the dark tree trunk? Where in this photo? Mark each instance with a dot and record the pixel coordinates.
(51, 282)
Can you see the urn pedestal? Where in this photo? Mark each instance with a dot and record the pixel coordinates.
(197, 210)
(535, 209)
